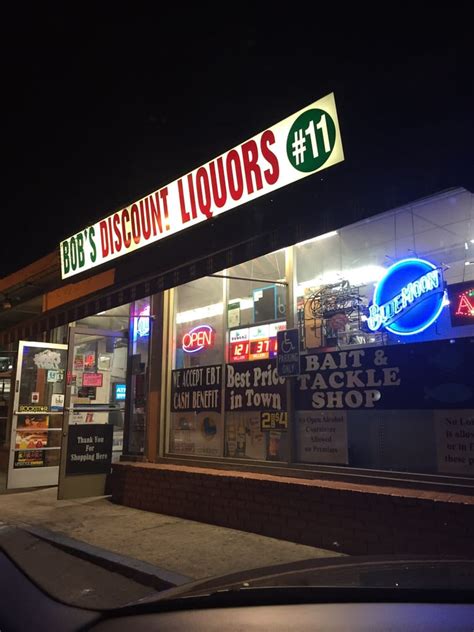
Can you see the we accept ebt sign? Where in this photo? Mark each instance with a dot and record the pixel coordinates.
(302, 144)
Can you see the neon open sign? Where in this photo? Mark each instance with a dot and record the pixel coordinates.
(408, 299)
(198, 338)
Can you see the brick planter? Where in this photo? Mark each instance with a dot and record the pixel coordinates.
(344, 517)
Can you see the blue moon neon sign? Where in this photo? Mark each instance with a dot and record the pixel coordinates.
(408, 299)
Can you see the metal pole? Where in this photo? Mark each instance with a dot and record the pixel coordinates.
(290, 274)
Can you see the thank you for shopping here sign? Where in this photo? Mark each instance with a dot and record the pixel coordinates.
(304, 143)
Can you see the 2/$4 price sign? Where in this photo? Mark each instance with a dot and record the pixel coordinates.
(299, 146)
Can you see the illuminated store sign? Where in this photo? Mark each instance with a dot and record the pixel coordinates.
(461, 303)
(120, 392)
(254, 343)
(198, 338)
(302, 144)
(408, 299)
(142, 324)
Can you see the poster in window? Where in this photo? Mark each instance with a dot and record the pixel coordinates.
(92, 379)
(277, 445)
(79, 362)
(28, 440)
(197, 389)
(233, 314)
(455, 441)
(87, 392)
(104, 363)
(28, 458)
(321, 437)
(254, 386)
(33, 422)
(244, 437)
(196, 433)
(89, 361)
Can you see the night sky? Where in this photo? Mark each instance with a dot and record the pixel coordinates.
(99, 109)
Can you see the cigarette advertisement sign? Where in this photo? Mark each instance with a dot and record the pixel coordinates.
(302, 144)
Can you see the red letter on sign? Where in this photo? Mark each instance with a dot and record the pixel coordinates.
(219, 200)
(203, 192)
(271, 176)
(184, 213)
(104, 239)
(118, 236)
(250, 157)
(135, 224)
(126, 233)
(232, 164)
(145, 218)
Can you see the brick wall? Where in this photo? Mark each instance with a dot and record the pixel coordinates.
(345, 517)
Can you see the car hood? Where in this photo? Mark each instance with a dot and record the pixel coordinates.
(397, 572)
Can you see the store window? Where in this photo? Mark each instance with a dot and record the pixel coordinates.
(337, 273)
(115, 319)
(141, 323)
(123, 360)
(226, 399)
(386, 317)
(255, 398)
(196, 419)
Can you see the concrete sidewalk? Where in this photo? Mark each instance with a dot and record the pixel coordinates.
(185, 547)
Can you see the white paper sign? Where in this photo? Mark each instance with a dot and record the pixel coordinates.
(321, 436)
(455, 441)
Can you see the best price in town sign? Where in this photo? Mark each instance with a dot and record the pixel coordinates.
(302, 144)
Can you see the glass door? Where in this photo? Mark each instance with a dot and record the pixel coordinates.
(96, 395)
(6, 372)
(37, 417)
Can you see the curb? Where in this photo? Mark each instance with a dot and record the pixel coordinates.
(142, 572)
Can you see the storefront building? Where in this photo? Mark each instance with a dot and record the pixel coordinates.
(183, 362)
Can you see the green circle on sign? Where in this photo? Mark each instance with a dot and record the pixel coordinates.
(311, 140)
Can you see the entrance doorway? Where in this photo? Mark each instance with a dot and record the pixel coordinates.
(37, 415)
(94, 413)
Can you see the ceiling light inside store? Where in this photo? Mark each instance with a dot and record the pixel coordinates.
(200, 313)
(364, 275)
(333, 233)
(216, 309)
(245, 303)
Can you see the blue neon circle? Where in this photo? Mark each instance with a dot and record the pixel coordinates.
(418, 316)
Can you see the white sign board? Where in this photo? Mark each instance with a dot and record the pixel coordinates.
(322, 437)
(455, 441)
(304, 143)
